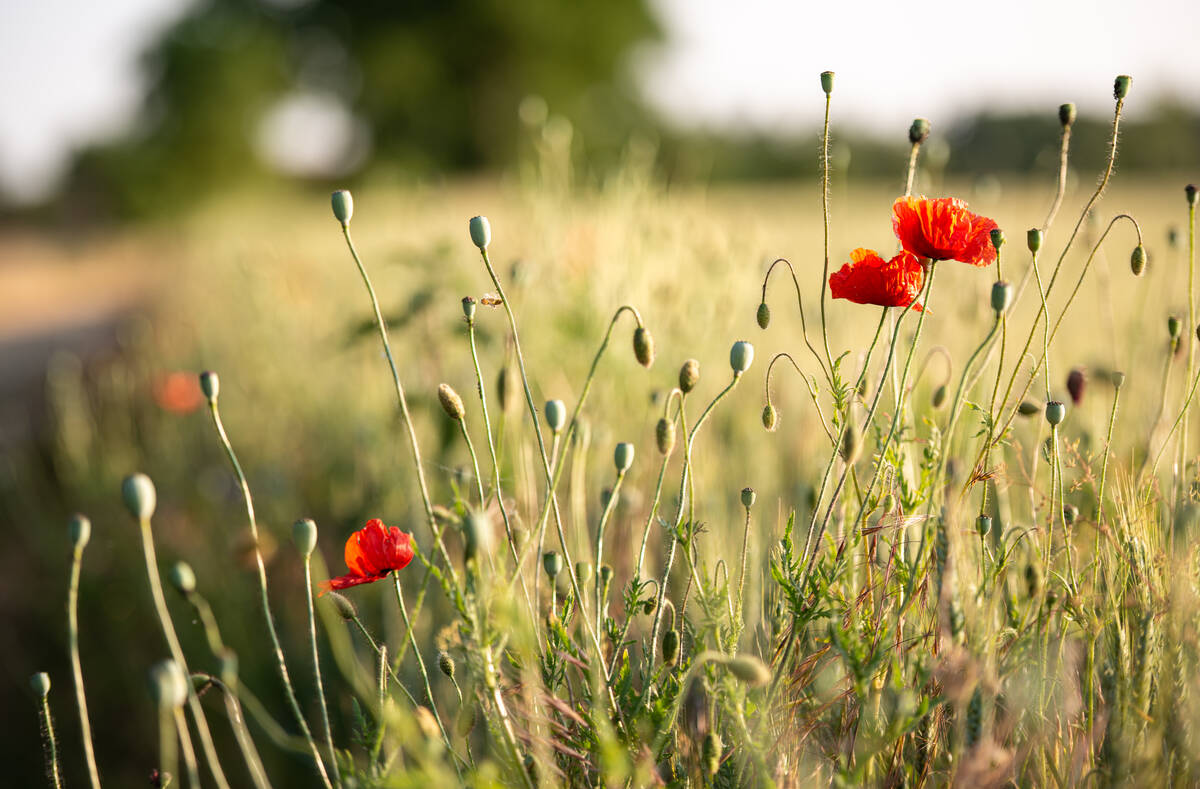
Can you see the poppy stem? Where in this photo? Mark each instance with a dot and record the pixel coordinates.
(608, 510)
(825, 226)
(76, 667)
(800, 305)
(809, 386)
(412, 640)
(185, 746)
(912, 168)
(316, 660)
(1191, 365)
(1112, 420)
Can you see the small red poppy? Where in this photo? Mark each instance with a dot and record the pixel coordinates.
(943, 229)
(178, 393)
(869, 279)
(371, 553)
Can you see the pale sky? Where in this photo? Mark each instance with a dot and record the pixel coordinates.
(70, 72)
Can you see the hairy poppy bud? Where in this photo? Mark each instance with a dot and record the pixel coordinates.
(889, 503)
(1137, 260)
(481, 231)
(710, 752)
(851, 444)
(1190, 191)
(1121, 86)
(643, 346)
(1033, 238)
(749, 669)
(1174, 327)
(741, 356)
(664, 435)
(182, 577)
(1070, 513)
(552, 563)
(623, 457)
(304, 534)
(827, 82)
(764, 315)
(606, 575)
(556, 415)
(468, 305)
(983, 524)
(79, 528)
(343, 206)
(918, 132)
(670, 647)
(770, 417)
(168, 686)
(996, 236)
(583, 572)
(140, 496)
(446, 663)
(452, 404)
(210, 385)
(689, 375)
(342, 605)
(1076, 382)
(1028, 408)
(1056, 412)
(40, 683)
(1118, 378)
(1066, 114)
(748, 497)
(1002, 293)
(939, 397)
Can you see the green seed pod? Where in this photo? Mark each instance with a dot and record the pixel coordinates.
(983, 524)
(140, 496)
(851, 446)
(918, 132)
(1056, 412)
(182, 578)
(583, 572)
(770, 417)
(1174, 327)
(342, 605)
(1070, 514)
(304, 535)
(210, 384)
(79, 528)
(827, 82)
(664, 435)
(468, 305)
(643, 346)
(552, 563)
(710, 752)
(748, 497)
(1066, 114)
(689, 375)
(1118, 378)
(939, 397)
(1137, 260)
(889, 503)
(452, 404)
(1028, 408)
(1033, 239)
(749, 669)
(1190, 192)
(670, 647)
(623, 457)
(343, 206)
(40, 683)
(741, 356)
(996, 236)
(1002, 293)
(606, 576)
(481, 231)
(168, 686)
(446, 663)
(556, 415)
(1121, 86)
(764, 315)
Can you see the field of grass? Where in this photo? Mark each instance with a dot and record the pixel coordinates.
(1057, 648)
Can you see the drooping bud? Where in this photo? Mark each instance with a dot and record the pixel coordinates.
(1056, 412)
(140, 496)
(748, 497)
(741, 356)
(468, 305)
(689, 375)
(1174, 327)
(918, 132)
(939, 397)
(343, 206)
(996, 236)
(446, 663)
(1066, 114)
(342, 605)
(1002, 293)
(552, 563)
(983, 525)
(1076, 383)
(623, 456)
(79, 528)
(670, 647)
(664, 435)
(168, 686)
(1028, 408)
(40, 684)
(1137, 260)
(556, 415)
(749, 669)
(1033, 238)
(210, 385)
(182, 577)
(481, 232)
(304, 535)
(1121, 86)
(643, 346)
(770, 417)
(764, 315)
(827, 82)
(452, 404)
(851, 446)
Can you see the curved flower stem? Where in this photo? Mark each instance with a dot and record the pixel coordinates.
(1063, 156)
(237, 720)
(662, 473)
(800, 305)
(812, 393)
(76, 667)
(316, 659)
(185, 745)
(604, 516)
(51, 743)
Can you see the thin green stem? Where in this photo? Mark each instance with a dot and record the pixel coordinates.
(316, 660)
(800, 305)
(52, 769)
(912, 168)
(1112, 420)
(825, 225)
(185, 745)
(604, 516)
(77, 667)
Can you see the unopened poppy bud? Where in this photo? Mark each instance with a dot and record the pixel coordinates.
(1076, 383)
(140, 496)
(918, 132)
(1190, 191)
(983, 525)
(210, 385)
(1174, 327)
(80, 530)
(748, 497)
(770, 417)
(304, 535)
(889, 502)
(643, 346)
(1033, 238)
(182, 577)
(556, 415)
(1121, 86)
(606, 575)
(452, 404)
(342, 605)
(827, 82)
(749, 669)
(670, 647)
(583, 572)
(343, 206)
(939, 397)
(552, 562)
(1028, 408)
(710, 752)
(168, 686)
(741, 356)
(664, 435)
(1137, 260)
(446, 663)
(648, 606)
(623, 457)
(1066, 114)
(1070, 513)
(1056, 412)
(1118, 378)
(689, 375)
(764, 315)
(996, 236)
(1002, 293)
(468, 305)
(40, 683)
(851, 444)
(481, 231)
(506, 389)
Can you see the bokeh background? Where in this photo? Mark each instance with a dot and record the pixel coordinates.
(164, 171)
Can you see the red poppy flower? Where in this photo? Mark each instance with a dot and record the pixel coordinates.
(869, 279)
(943, 229)
(371, 553)
(178, 392)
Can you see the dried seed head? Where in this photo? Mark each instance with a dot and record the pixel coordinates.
(343, 206)
(1028, 408)
(452, 404)
(1076, 383)
(996, 236)
(168, 686)
(1056, 412)
(182, 578)
(79, 528)
(918, 132)
(40, 683)
(140, 496)
(748, 497)
(1002, 293)
(552, 563)
(1121, 86)
(664, 435)
(556, 415)
(749, 669)
(468, 305)
(210, 385)
(1137, 260)
(770, 417)
(643, 346)
(446, 663)
(623, 456)
(670, 647)
(342, 605)
(851, 444)
(583, 572)
(741, 356)
(689, 375)
(1174, 327)
(764, 315)
(1190, 192)
(939, 397)
(481, 232)
(983, 525)
(304, 535)
(1033, 239)
(1066, 114)
(827, 82)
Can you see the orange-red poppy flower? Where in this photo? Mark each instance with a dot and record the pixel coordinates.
(943, 229)
(178, 392)
(869, 279)
(371, 553)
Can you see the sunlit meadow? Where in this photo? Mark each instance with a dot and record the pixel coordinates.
(623, 539)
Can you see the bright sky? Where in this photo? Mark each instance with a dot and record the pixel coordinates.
(71, 65)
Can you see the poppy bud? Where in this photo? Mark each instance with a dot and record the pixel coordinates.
(996, 236)
(1056, 412)
(664, 435)
(1075, 385)
(648, 606)
(918, 132)
(983, 524)
(939, 397)
(343, 206)
(446, 663)
(468, 305)
(1190, 191)
(643, 346)
(182, 577)
(1137, 261)
(1070, 513)
(606, 575)
(851, 444)
(769, 417)
(1174, 327)
(168, 686)
(140, 496)
(1028, 408)
(342, 605)
(79, 528)
(827, 82)
(741, 356)
(556, 415)
(481, 232)
(304, 534)
(889, 503)
(552, 563)
(764, 315)
(583, 572)
(1002, 293)
(670, 647)
(1121, 86)
(40, 683)
(711, 752)
(1033, 238)
(623, 457)
(749, 669)
(210, 385)
(1118, 378)
(748, 497)
(505, 390)
(1066, 114)
(452, 404)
